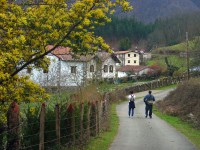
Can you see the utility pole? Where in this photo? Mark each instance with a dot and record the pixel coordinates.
(187, 52)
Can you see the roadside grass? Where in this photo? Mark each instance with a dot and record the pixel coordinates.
(184, 127)
(108, 87)
(167, 87)
(105, 139)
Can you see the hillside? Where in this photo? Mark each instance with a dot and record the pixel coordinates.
(184, 102)
(149, 10)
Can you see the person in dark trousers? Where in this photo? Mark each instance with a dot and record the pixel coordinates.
(131, 104)
(149, 100)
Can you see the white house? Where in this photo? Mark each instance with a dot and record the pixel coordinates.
(129, 70)
(66, 70)
(128, 58)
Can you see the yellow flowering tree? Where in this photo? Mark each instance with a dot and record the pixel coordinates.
(27, 28)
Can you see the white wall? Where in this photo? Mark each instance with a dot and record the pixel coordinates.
(132, 56)
(91, 75)
(144, 71)
(59, 73)
(121, 74)
(109, 74)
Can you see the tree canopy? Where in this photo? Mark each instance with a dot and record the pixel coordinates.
(27, 28)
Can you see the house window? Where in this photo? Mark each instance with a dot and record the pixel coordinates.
(29, 70)
(73, 69)
(134, 61)
(105, 69)
(45, 71)
(129, 61)
(129, 55)
(91, 68)
(134, 55)
(111, 68)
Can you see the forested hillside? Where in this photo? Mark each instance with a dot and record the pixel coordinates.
(163, 32)
(125, 27)
(149, 10)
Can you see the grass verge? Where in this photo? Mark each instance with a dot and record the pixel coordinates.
(105, 139)
(167, 87)
(184, 127)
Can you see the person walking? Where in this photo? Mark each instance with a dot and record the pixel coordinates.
(131, 104)
(149, 100)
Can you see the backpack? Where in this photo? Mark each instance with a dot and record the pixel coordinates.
(132, 98)
(150, 100)
(131, 102)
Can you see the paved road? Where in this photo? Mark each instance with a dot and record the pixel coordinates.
(140, 133)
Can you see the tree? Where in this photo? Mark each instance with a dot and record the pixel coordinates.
(26, 30)
(195, 52)
(125, 44)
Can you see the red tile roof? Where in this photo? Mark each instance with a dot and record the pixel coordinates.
(61, 50)
(122, 52)
(131, 68)
(65, 53)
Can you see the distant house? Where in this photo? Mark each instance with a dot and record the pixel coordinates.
(128, 70)
(146, 57)
(107, 65)
(67, 70)
(128, 58)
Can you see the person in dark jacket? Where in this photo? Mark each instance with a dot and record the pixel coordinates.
(131, 104)
(149, 100)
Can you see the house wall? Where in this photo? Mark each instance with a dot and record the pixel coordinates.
(109, 74)
(146, 56)
(132, 58)
(71, 79)
(46, 79)
(59, 73)
(121, 57)
(144, 71)
(121, 74)
(91, 75)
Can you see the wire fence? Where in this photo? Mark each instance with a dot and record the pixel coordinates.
(73, 126)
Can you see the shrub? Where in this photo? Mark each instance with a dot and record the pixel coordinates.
(184, 102)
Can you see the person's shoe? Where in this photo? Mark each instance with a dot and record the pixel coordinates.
(145, 116)
(150, 116)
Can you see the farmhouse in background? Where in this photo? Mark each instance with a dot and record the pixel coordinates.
(68, 70)
(128, 58)
(128, 70)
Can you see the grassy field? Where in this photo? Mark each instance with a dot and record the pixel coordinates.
(181, 47)
(185, 128)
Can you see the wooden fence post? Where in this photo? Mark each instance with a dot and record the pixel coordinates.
(88, 122)
(42, 125)
(71, 113)
(81, 124)
(57, 110)
(98, 117)
(13, 127)
(93, 119)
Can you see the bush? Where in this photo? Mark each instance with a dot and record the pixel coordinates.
(184, 102)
